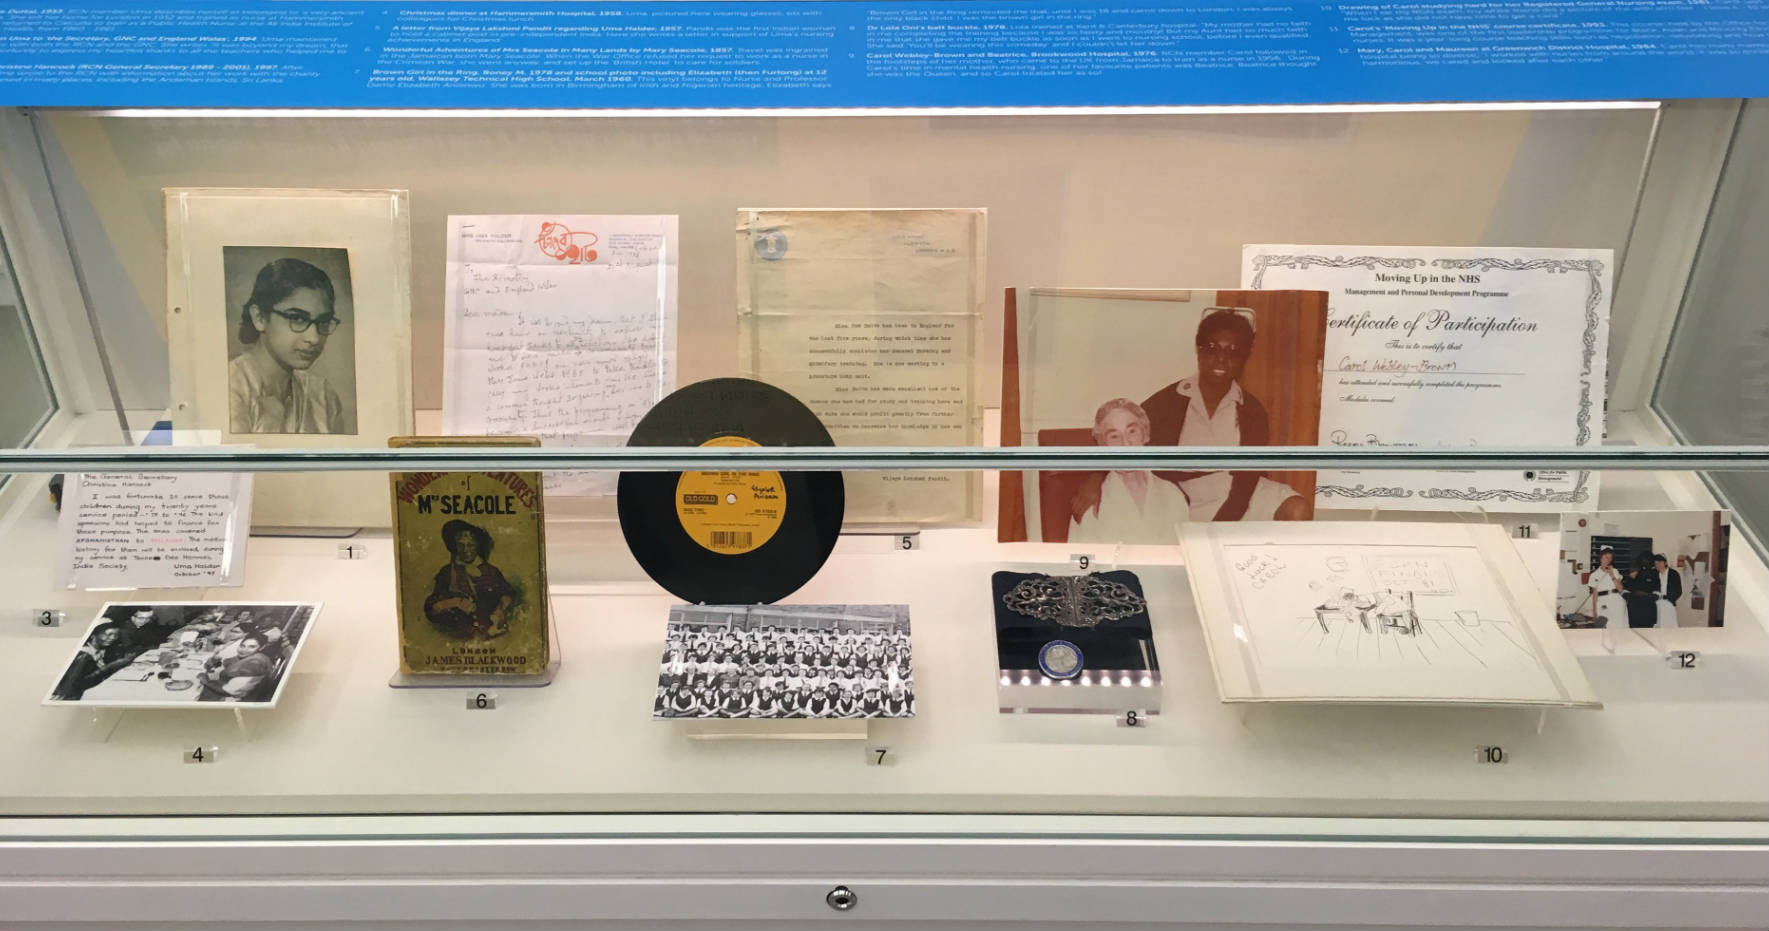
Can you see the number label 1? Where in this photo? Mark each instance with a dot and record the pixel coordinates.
(353, 551)
(880, 756)
(1134, 719)
(482, 701)
(1491, 755)
(201, 754)
(909, 541)
(1682, 659)
(1082, 561)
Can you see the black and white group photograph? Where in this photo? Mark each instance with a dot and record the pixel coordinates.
(291, 356)
(786, 661)
(173, 655)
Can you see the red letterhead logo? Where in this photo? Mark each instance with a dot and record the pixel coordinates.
(559, 242)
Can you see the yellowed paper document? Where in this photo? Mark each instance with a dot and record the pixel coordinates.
(870, 317)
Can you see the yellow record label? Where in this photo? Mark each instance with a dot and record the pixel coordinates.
(730, 512)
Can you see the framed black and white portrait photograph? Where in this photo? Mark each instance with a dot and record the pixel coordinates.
(786, 661)
(291, 356)
(288, 326)
(183, 654)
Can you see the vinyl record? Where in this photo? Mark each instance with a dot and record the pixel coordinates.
(730, 537)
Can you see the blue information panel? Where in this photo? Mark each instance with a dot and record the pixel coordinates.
(887, 53)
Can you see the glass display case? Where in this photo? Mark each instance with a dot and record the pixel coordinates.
(1102, 553)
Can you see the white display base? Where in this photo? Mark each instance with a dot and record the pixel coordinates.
(1668, 743)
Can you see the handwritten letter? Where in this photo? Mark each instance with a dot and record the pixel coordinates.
(561, 327)
(154, 530)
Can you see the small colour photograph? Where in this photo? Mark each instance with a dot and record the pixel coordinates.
(1641, 569)
(785, 662)
(175, 655)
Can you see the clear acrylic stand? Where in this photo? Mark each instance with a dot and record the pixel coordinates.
(796, 729)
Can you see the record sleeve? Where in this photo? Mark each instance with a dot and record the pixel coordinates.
(470, 563)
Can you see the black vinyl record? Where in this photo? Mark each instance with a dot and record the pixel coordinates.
(730, 537)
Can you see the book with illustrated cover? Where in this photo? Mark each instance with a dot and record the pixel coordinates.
(470, 559)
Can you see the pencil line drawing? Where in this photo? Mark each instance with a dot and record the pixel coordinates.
(1384, 609)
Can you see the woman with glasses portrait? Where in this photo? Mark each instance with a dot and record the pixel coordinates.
(283, 327)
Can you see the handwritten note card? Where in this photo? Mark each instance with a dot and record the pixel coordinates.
(1468, 346)
(561, 327)
(154, 530)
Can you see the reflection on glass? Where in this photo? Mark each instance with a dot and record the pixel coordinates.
(24, 383)
(1714, 387)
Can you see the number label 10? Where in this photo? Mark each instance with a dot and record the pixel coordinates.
(1491, 755)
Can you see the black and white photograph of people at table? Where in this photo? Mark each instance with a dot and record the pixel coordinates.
(786, 661)
(174, 654)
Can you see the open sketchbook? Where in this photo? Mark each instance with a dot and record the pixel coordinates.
(1375, 613)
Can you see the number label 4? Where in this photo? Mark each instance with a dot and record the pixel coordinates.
(202, 754)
